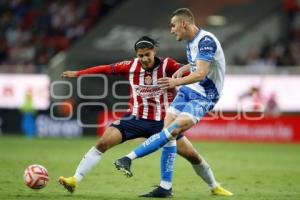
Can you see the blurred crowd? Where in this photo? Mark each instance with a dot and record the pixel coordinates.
(285, 50)
(273, 54)
(33, 31)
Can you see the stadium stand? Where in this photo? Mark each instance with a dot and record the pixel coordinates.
(270, 40)
(32, 31)
(261, 46)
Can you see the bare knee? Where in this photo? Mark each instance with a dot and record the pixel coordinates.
(102, 145)
(111, 137)
(182, 124)
(181, 127)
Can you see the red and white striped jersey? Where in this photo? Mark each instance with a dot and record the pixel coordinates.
(146, 101)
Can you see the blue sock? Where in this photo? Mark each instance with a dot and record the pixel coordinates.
(154, 142)
(167, 160)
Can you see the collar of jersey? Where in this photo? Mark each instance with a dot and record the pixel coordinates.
(157, 62)
(198, 33)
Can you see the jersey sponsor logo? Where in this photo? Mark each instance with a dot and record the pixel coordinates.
(206, 48)
(123, 63)
(148, 91)
(170, 161)
(151, 139)
(207, 44)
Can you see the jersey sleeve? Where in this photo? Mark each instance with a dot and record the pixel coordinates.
(101, 69)
(172, 67)
(121, 67)
(115, 68)
(207, 48)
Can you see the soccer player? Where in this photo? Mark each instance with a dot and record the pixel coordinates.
(198, 94)
(147, 107)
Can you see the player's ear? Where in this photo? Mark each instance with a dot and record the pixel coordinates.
(183, 23)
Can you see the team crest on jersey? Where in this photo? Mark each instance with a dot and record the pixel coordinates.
(148, 80)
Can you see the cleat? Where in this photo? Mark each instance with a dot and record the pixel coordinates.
(124, 164)
(68, 183)
(220, 191)
(159, 192)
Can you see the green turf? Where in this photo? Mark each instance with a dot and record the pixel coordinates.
(251, 171)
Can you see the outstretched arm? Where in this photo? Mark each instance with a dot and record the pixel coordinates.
(102, 69)
(198, 75)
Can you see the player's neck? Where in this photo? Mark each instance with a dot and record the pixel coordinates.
(192, 32)
(155, 63)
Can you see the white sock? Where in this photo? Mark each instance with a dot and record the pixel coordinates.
(132, 155)
(205, 172)
(165, 184)
(89, 160)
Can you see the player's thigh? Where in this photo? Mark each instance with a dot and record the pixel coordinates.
(169, 118)
(177, 104)
(196, 109)
(111, 137)
(186, 149)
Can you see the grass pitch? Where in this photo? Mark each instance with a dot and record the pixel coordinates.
(251, 171)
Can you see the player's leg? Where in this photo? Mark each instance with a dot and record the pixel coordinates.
(112, 136)
(201, 167)
(168, 155)
(169, 150)
(172, 127)
(156, 141)
(192, 107)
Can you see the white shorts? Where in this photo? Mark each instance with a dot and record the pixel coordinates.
(190, 103)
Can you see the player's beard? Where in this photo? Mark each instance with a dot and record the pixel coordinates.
(177, 37)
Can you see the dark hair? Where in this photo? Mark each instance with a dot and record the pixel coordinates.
(145, 42)
(184, 12)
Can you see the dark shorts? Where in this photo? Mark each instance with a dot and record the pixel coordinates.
(131, 127)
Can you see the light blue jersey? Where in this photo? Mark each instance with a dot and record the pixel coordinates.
(205, 46)
(196, 99)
